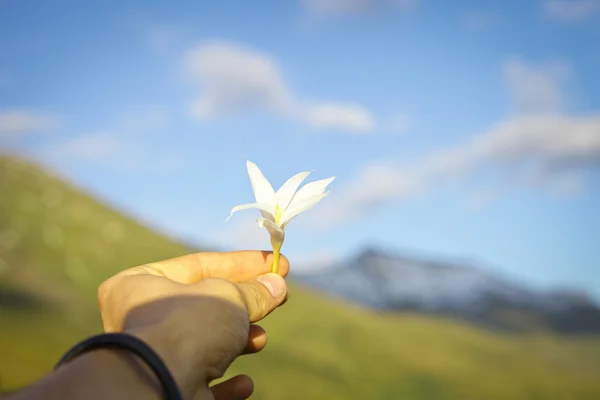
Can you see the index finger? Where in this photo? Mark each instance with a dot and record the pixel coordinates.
(235, 266)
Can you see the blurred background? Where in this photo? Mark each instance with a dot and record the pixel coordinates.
(457, 255)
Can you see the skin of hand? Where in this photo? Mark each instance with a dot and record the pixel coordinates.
(198, 313)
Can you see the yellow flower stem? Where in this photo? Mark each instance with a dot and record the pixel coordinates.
(276, 254)
(276, 243)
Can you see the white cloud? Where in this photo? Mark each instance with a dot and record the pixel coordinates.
(15, 122)
(541, 150)
(93, 146)
(536, 88)
(105, 149)
(451, 162)
(341, 8)
(553, 142)
(352, 117)
(234, 78)
(570, 10)
(546, 151)
(376, 184)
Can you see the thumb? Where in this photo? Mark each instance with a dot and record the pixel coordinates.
(263, 294)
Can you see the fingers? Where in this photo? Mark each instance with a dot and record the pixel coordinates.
(236, 266)
(239, 387)
(257, 340)
(262, 295)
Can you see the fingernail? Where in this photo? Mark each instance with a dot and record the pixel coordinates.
(274, 283)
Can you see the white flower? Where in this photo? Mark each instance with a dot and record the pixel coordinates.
(279, 208)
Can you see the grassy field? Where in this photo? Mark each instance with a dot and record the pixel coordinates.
(57, 244)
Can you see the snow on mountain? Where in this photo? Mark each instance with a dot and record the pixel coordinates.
(383, 280)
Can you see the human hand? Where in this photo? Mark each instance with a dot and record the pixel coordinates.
(196, 312)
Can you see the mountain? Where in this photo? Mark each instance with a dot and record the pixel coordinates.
(57, 244)
(384, 280)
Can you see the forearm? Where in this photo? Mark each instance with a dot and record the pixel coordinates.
(97, 375)
(120, 374)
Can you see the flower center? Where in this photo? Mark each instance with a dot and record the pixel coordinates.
(278, 213)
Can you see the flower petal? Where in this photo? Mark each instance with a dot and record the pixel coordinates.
(288, 189)
(277, 234)
(265, 210)
(263, 191)
(309, 190)
(298, 207)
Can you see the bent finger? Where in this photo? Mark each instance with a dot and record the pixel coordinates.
(239, 387)
(257, 339)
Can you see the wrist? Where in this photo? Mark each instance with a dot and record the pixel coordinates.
(97, 374)
(182, 361)
(124, 370)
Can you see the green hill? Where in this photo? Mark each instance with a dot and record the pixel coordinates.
(57, 244)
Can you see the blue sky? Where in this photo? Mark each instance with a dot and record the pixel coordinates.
(460, 129)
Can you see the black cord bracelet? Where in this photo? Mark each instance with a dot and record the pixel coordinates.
(135, 345)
